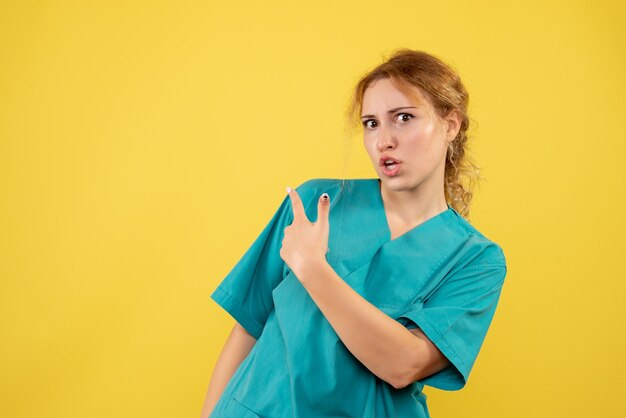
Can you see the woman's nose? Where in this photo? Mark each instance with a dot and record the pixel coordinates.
(386, 139)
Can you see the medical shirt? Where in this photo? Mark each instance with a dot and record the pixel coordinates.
(442, 276)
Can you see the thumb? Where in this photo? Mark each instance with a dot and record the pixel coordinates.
(323, 207)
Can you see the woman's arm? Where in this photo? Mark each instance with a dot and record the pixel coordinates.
(390, 351)
(236, 348)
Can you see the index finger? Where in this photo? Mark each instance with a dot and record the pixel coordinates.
(296, 204)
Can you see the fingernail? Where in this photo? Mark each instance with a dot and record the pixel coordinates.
(325, 197)
(288, 189)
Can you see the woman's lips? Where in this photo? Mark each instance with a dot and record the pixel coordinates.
(391, 169)
(384, 158)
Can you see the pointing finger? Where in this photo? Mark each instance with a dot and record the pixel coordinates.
(296, 205)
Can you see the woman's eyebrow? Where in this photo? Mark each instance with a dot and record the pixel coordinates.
(391, 110)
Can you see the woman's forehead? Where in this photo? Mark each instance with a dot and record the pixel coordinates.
(392, 94)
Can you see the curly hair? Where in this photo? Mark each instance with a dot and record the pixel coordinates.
(410, 70)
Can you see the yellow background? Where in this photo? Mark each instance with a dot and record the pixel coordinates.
(144, 145)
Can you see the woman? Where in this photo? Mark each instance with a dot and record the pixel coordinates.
(359, 292)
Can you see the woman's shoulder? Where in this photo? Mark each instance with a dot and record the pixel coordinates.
(481, 249)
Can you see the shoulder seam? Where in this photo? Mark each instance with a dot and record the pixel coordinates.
(475, 266)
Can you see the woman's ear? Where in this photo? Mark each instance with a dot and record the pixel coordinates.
(453, 120)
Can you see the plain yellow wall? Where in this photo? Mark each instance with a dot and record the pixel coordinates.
(144, 145)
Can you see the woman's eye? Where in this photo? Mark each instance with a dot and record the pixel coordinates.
(405, 117)
(365, 123)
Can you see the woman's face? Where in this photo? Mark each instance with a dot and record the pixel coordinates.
(410, 133)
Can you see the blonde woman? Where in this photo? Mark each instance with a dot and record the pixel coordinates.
(359, 292)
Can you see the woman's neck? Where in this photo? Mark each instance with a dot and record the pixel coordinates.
(413, 206)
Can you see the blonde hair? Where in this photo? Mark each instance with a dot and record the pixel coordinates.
(441, 85)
